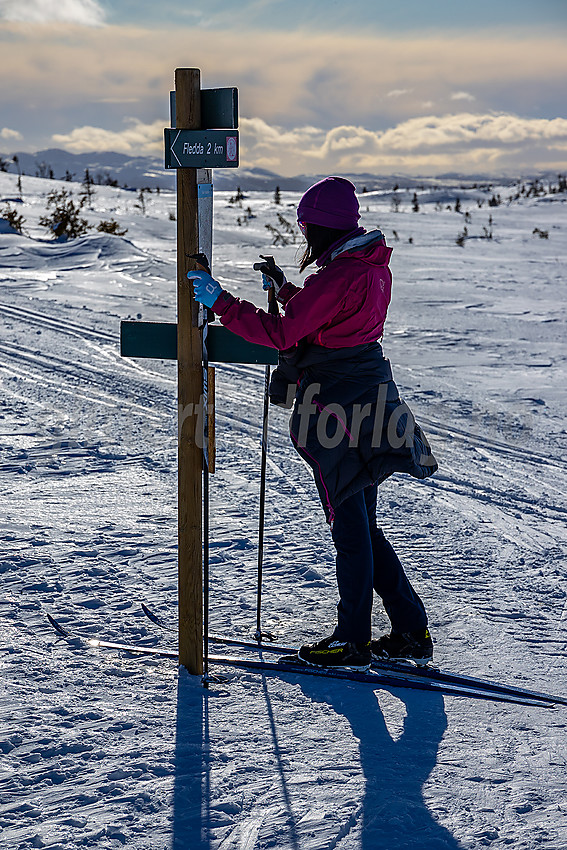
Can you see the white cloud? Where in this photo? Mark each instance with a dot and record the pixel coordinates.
(469, 129)
(137, 139)
(422, 146)
(84, 12)
(462, 95)
(11, 135)
(399, 92)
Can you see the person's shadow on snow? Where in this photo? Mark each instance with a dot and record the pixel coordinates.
(396, 763)
(393, 814)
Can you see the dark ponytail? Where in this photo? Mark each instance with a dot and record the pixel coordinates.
(318, 240)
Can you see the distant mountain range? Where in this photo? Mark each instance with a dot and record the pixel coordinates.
(141, 171)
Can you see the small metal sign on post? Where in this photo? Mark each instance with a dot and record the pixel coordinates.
(201, 148)
(203, 135)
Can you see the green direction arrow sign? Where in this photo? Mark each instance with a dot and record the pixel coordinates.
(201, 148)
(159, 340)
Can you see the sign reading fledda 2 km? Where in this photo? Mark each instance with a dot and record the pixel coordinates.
(201, 148)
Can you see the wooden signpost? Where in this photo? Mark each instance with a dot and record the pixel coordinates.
(197, 140)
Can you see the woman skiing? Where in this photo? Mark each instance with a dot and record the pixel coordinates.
(348, 421)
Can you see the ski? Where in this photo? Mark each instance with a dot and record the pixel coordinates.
(290, 664)
(109, 644)
(408, 669)
(157, 620)
(397, 679)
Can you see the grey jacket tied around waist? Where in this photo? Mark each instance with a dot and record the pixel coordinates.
(348, 421)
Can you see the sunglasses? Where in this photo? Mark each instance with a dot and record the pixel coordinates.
(303, 227)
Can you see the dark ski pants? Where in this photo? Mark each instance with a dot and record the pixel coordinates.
(367, 562)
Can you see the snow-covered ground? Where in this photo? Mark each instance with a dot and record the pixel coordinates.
(101, 749)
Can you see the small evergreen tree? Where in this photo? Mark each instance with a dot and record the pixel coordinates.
(415, 203)
(396, 203)
(111, 226)
(237, 198)
(277, 196)
(87, 193)
(14, 219)
(64, 220)
(17, 164)
(141, 205)
(43, 170)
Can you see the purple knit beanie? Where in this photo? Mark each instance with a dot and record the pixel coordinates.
(331, 203)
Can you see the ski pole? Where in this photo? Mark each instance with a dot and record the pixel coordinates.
(273, 310)
(202, 264)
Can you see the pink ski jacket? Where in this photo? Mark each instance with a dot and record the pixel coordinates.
(342, 304)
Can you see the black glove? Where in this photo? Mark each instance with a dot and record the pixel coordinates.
(272, 275)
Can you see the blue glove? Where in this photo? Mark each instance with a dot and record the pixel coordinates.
(206, 288)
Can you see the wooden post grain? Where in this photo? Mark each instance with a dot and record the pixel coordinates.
(190, 388)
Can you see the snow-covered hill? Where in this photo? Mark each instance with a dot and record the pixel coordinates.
(104, 750)
(140, 171)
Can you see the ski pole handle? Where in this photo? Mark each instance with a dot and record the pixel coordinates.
(273, 308)
(273, 277)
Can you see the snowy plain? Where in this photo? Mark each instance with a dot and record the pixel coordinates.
(99, 749)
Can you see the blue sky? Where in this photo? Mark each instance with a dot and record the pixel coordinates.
(378, 15)
(365, 85)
